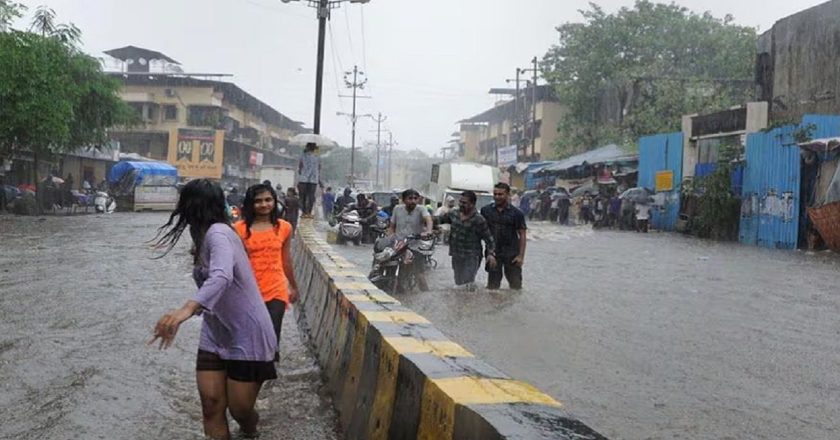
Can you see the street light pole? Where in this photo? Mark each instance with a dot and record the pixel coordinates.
(323, 7)
(355, 85)
(379, 120)
(534, 116)
(323, 15)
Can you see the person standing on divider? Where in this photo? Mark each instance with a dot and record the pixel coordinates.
(268, 241)
(309, 174)
(237, 343)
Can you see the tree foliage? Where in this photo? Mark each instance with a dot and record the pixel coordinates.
(637, 71)
(53, 98)
(718, 209)
(335, 164)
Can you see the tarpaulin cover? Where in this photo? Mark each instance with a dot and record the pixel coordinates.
(145, 173)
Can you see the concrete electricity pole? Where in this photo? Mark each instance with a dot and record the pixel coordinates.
(534, 116)
(356, 85)
(379, 120)
(323, 7)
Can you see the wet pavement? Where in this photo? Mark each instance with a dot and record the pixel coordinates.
(79, 296)
(659, 336)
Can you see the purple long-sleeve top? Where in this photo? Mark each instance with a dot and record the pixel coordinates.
(236, 322)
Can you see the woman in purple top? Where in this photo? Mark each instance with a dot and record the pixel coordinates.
(237, 343)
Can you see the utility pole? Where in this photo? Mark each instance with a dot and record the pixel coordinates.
(356, 85)
(517, 118)
(379, 120)
(323, 7)
(534, 115)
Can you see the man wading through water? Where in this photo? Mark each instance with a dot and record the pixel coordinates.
(507, 224)
(469, 228)
(410, 219)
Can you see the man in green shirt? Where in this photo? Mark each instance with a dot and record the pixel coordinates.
(469, 229)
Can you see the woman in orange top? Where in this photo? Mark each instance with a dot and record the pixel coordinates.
(268, 241)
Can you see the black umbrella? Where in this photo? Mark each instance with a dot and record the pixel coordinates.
(637, 195)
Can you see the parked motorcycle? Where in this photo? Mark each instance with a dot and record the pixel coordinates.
(104, 203)
(393, 259)
(350, 228)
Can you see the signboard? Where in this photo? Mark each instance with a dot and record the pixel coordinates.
(664, 180)
(507, 156)
(197, 153)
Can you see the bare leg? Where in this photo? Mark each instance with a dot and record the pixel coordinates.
(213, 393)
(241, 399)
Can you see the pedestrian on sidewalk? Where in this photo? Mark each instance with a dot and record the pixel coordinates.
(268, 241)
(468, 230)
(237, 343)
(292, 211)
(309, 174)
(507, 224)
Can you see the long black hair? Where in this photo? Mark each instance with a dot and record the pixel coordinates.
(200, 206)
(249, 211)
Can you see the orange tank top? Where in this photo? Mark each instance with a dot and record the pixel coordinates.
(265, 251)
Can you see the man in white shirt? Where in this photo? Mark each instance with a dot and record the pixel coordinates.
(642, 217)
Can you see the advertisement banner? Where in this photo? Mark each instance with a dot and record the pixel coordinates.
(507, 156)
(197, 153)
(664, 180)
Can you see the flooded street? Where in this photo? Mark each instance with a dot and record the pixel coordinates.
(659, 336)
(78, 299)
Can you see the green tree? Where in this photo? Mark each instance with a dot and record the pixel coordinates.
(335, 164)
(653, 62)
(9, 11)
(54, 98)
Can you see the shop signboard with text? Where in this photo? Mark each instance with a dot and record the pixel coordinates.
(197, 153)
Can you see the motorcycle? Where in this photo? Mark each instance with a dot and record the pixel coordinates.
(104, 203)
(393, 259)
(350, 228)
(379, 227)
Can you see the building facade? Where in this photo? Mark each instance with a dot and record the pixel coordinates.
(797, 70)
(235, 132)
(512, 123)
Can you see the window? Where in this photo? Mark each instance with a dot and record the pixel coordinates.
(170, 113)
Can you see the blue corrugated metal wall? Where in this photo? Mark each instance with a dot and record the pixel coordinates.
(770, 213)
(662, 152)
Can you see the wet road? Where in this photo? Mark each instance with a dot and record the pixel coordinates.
(660, 336)
(78, 298)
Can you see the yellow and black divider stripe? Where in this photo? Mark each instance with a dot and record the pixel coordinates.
(393, 375)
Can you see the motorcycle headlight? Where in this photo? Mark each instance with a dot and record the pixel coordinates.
(383, 256)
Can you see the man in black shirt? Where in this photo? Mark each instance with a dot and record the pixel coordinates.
(507, 224)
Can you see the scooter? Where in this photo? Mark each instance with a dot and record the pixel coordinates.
(103, 203)
(350, 228)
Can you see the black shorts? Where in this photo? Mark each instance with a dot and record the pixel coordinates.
(242, 371)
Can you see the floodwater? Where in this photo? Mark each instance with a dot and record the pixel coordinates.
(659, 336)
(79, 296)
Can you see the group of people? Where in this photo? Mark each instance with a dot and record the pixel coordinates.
(601, 210)
(245, 283)
(497, 233)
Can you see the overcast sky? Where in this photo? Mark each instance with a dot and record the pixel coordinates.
(429, 63)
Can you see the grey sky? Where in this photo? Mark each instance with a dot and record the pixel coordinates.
(429, 63)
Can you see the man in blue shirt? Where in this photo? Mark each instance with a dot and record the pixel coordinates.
(328, 202)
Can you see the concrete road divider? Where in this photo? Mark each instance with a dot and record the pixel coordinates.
(393, 375)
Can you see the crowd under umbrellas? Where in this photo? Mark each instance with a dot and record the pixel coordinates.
(616, 208)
